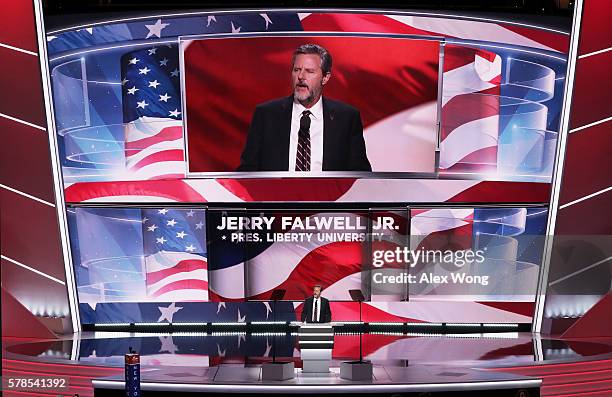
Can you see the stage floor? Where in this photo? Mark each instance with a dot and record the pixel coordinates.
(88, 356)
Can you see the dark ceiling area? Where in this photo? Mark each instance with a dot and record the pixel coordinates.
(556, 14)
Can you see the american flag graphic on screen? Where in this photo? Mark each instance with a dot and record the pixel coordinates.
(175, 255)
(152, 113)
(470, 109)
(331, 258)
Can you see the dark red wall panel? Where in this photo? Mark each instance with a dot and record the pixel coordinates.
(592, 93)
(587, 170)
(30, 234)
(25, 160)
(588, 162)
(35, 292)
(21, 82)
(596, 27)
(17, 24)
(587, 217)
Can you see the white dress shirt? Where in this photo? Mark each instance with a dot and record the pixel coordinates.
(316, 135)
(316, 316)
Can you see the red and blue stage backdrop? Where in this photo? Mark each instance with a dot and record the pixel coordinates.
(166, 265)
(119, 111)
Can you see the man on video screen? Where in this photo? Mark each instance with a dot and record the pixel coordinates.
(306, 131)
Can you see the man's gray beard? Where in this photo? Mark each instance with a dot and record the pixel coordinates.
(306, 100)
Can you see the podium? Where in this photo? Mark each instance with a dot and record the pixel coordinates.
(277, 370)
(316, 341)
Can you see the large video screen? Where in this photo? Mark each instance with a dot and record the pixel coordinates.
(165, 264)
(404, 94)
(372, 103)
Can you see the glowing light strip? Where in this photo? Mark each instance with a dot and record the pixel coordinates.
(32, 269)
(584, 269)
(316, 342)
(75, 318)
(10, 47)
(345, 388)
(27, 195)
(316, 334)
(558, 169)
(590, 54)
(585, 198)
(39, 127)
(591, 124)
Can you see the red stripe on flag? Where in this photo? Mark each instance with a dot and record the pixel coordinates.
(479, 161)
(166, 134)
(183, 266)
(176, 190)
(456, 56)
(182, 285)
(322, 266)
(523, 308)
(288, 189)
(465, 108)
(340, 22)
(158, 157)
(504, 192)
(556, 41)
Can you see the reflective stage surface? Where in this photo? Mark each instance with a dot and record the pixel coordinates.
(240, 355)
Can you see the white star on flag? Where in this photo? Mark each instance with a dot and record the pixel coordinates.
(88, 30)
(171, 222)
(241, 318)
(163, 62)
(134, 61)
(267, 19)
(164, 97)
(181, 234)
(152, 51)
(167, 313)
(132, 91)
(124, 81)
(190, 213)
(144, 71)
(190, 248)
(154, 83)
(155, 29)
(152, 228)
(235, 29)
(268, 309)
(211, 18)
(174, 73)
(161, 239)
(199, 225)
(141, 104)
(174, 113)
(220, 305)
(162, 211)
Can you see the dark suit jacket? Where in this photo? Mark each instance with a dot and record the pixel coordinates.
(267, 146)
(325, 311)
